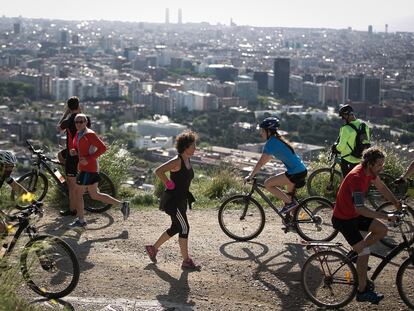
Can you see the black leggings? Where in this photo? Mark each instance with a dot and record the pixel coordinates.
(179, 222)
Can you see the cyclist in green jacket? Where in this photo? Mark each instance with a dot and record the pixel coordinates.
(347, 139)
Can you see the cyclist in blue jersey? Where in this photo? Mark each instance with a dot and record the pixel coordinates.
(278, 147)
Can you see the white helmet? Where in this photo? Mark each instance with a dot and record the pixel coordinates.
(7, 157)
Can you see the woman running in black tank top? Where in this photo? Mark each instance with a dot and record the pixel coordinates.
(181, 174)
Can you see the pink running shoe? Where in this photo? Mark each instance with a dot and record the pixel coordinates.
(190, 265)
(152, 253)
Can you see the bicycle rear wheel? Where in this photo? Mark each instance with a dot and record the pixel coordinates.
(320, 183)
(405, 282)
(393, 237)
(49, 266)
(37, 185)
(241, 218)
(313, 219)
(329, 279)
(105, 185)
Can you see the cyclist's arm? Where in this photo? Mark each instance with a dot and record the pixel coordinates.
(358, 201)
(409, 172)
(262, 161)
(62, 124)
(344, 136)
(173, 165)
(383, 189)
(18, 188)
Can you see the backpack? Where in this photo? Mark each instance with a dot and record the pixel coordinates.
(361, 136)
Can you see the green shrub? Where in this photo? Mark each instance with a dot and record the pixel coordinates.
(9, 299)
(144, 199)
(224, 180)
(116, 163)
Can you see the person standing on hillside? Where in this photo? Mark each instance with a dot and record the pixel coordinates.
(346, 144)
(177, 197)
(88, 147)
(67, 124)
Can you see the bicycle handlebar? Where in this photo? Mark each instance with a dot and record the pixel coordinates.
(34, 208)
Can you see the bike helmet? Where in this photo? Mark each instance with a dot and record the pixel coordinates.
(270, 123)
(345, 109)
(7, 157)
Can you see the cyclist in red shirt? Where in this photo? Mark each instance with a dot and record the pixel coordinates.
(351, 216)
(88, 146)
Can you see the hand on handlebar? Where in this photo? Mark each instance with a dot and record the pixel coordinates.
(247, 179)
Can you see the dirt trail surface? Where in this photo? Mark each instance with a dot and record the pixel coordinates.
(264, 274)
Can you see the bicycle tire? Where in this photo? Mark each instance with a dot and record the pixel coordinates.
(393, 237)
(37, 185)
(312, 219)
(36, 261)
(324, 269)
(240, 214)
(318, 181)
(105, 185)
(375, 198)
(406, 271)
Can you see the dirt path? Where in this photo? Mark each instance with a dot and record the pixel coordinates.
(260, 275)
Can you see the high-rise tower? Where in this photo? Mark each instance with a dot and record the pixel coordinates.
(180, 16)
(167, 15)
(281, 76)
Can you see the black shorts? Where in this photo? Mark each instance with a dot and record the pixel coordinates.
(299, 179)
(71, 163)
(87, 178)
(350, 228)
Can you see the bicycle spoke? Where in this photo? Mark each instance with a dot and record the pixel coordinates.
(328, 280)
(313, 220)
(241, 218)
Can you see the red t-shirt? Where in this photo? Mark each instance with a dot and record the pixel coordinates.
(89, 146)
(356, 181)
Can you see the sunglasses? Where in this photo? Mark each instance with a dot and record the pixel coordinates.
(80, 121)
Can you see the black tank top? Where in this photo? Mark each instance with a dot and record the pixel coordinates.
(182, 180)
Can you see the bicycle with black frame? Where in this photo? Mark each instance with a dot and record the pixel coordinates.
(325, 182)
(329, 277)
(48, 264)
(404, 190)
(36, 182)
(242, 217)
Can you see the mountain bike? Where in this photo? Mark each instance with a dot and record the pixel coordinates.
(242, 217)
(329, 278)
(325, 182)
(406, 192)
(48, 264)
(37, 183)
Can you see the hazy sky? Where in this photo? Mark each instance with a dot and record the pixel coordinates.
(358, 14)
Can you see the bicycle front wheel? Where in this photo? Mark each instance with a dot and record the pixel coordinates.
(393, 237)
(322, 182)
(329, 279)
(36, 184)
(241, 218)
(49, 266)
(106, 186)
(313, 219)
(405, 282)
(374, 196)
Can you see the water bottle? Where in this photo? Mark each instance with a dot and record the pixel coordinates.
(59, 175)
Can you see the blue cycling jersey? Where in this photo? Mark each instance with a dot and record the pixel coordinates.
(281, 151)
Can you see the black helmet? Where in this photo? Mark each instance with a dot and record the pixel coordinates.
(270, 123)
(345, 109)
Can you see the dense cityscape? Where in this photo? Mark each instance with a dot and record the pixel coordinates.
(126, 73)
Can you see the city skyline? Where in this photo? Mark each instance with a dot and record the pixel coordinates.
(294, 13)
